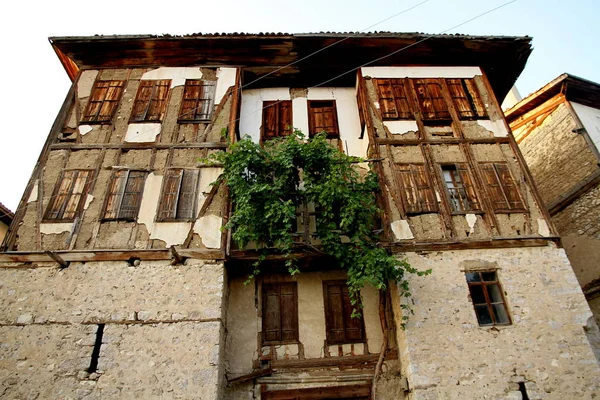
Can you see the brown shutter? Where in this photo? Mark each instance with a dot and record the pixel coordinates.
(354, 326)
(285, 118)
(115, 193)
(289, 314)
(401, 99)
(460, 99)
(191, 93)
(269, 119)
(271, 317)
(408, 188)
(142, 101)
(186, 203)
(103, 101)
(340, 326)
(417, 189)
(475, 97)
(510, 188)
(386, 99)
(78, 193)
(468, 186)
(322, 116)
(280, 313)
(426, 194)
(69, 194)
(494, 188)
(431, 100)
(132, 195)
(168, 201)
(158, 103)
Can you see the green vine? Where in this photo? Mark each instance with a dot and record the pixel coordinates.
(268, 183)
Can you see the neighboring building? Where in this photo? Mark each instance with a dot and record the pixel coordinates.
(558, 131)
(6, 217)
(118, 282)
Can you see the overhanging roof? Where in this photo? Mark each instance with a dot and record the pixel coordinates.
(573, 87)
(501, 57)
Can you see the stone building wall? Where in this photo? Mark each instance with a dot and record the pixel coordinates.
(446, 354)
(163, 330)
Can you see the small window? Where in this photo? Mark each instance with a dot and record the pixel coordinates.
(279, 313)
(69, 195)
(322, 117)
(466, 98)
(488, 299)
(340, 326)
(430, 98)
(151, 101)
(393, 99)
(197, 103)
(103, 102)
(277, 119)
(416, 188)
(501, 187)
(459, 187)
(125, 195)
(179, 195)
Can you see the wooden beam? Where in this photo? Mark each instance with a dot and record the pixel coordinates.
(176, 257)
(496, 243)
(138, 146)
(364, 361)
(566, 199)
(252, 375)
(415, 142)
(362, 390)
(58, 259)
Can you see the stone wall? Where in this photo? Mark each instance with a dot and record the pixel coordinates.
(162, 338)
(446, 354)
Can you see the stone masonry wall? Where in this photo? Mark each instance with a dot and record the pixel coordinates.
(447, 355)
(163, 331)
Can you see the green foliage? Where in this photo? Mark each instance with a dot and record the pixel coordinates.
(268, 183)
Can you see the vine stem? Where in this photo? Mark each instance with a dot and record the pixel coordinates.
(385, 329)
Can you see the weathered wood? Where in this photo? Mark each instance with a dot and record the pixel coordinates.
(496, 243)
(361, 361)
(252, 375)
(359, 391)
(137, 146)
(58, 259)
(177, 258)
(414, 142)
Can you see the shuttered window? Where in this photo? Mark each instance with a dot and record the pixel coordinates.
(103, 101)
(488, 298)
(151, 101)
(393, 99)
(125, 195)
(197, 103)
(432, 104)
(322, 116)
(416, 188)
(280, 313)
(459, 187)
(69, 195)
(466, 98)
(501, 187)
(277, 119)
(340, 326)
(179, 195)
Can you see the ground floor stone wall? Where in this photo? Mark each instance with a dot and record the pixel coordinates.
(445, 354)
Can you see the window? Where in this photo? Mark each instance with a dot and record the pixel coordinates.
(151, 101)
(339, 324)
(280, 313)
(179, 195)
(459, 187)
(103, 101)
(466, 99)
(487, 297)
(416, 189)
(431, 101)
(197, 103)
(277, 119)
(501, 187)
(322, 116)
(393, 99)
(125, 195)
(69, 195)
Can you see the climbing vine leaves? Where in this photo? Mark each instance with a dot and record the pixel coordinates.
(269, 183)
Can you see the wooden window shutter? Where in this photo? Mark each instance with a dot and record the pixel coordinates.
(188, 193)
(431, 100)
(401, 99)
(69, 195)
(492, 182)
(466, 98)
(417, 188)
(280, 313)
(125, 195)
(322, 116)
(386, 99)
(103, 101)
(277, 119)
(151, 101)
(197, 102)
(168, 202)
(340, 326)
(467, 183)
(475, 98)
(509, 187)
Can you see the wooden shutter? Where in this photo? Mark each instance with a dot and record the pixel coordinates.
(509, 187)
(125, 195)
(467, 183)
(322, 116)
(68, 196)
(431, 100)
(417, 189)
(393, 99)
(198, 97)
(475, 97)
(496, 189)
(340, 326)
(466, 98)
(188, 192)
(151, 101)
(280, 313)
(103, 101)
(277, 119)
(168, 202)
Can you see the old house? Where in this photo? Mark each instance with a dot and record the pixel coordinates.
(6, 217)
(558, 131)
(117, 280)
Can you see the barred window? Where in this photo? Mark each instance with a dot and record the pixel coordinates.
(459, 187)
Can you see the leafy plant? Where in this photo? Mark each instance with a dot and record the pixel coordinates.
(268, 183)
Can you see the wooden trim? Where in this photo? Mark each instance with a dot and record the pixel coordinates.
(365, 361)
(494, 243)
(235, 107)
(454, 140)
(250, 376)
(566, 199)
(362, 390)
(137, 146)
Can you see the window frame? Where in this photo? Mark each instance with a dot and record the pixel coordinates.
(475, 106)
(503, 187)
(311, 104)
(88, 119)
(55, 196)
(121, 194)
(205, 95)
(145, 118)
(461, 169)
(488, 303)
(276, 106)
(423, 206)
(424, 96)
(347, 314)
(265, 313)
(397, 88)
(176, 210)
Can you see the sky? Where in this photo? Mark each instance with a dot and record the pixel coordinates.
(34, 84)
